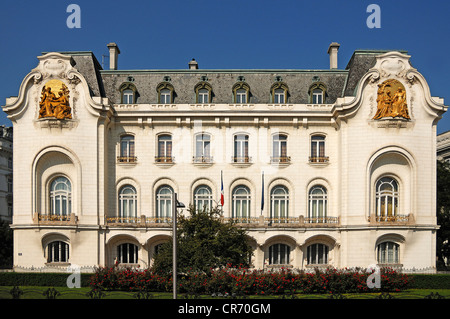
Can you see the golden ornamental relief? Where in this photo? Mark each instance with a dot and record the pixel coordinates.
(391, 100)
(55, 101)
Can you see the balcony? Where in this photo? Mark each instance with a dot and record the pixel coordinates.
(55, 220)
(245, 222)
(241, 159)
(391, 220)
(127, 159)
(280, 160)
(318, 159)
(164, 159)
(202, 159)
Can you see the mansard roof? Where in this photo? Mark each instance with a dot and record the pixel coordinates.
(339, 82)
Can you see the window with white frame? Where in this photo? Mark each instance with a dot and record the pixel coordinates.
(241, 148)
(387, 198)
(241, 203)
(279, 254)
(128, 96)
(388, 253)
(279, 204)
(203, 96)
(127, 204)
(164, 204)
(127, 253)
(203, 198)
(279, 96)
(127, 149)
(241, 96)
(317, 211)
(165, 96)
(318, 149)
(203, 148)
(317, 254)
(57, 251)
(60, 197)
(164, 149)
(279, 149)
(317, 96)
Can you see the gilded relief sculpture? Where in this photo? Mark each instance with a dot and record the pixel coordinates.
(52, 105)
(391, 100)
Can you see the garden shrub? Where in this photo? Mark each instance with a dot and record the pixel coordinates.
(244, 281)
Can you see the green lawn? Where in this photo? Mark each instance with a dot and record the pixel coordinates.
(30, 292)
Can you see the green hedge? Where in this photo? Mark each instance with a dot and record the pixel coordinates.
(39, 279)
(436, 281)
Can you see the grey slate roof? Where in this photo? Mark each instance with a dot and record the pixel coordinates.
(106, 83)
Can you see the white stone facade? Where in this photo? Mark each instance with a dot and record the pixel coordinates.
(337, 226)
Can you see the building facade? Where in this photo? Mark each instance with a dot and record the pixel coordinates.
(6, 170)
(330, 167)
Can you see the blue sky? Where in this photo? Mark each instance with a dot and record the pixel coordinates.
(222, 34)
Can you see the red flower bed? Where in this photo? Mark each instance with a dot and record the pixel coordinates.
(243, 281)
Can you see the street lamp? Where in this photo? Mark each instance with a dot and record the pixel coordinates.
(175, 204)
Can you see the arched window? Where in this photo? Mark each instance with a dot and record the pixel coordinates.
(127, 253)
(387, 198)
(127, 204)
(279, 254)
(60, 197)
(317, 212)
(388, 253)
(57, 251)
(203, 198)
(165, 93)
(241, 203)
(317, 93)
(317, 254)
(279, 92)
(128, 93)
(279, 204)
(127, 149)
(241, 92)
(164, 204)
(203, 93)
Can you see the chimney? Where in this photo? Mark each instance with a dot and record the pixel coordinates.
(193, 65)
(113, 55)
(333, 52)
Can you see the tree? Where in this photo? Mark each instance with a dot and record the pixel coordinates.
(204, 241)
(443, 213)
(6, 245)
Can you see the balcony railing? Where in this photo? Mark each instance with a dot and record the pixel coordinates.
(54, 219)
(392, 219)
(202, 159)
(318, 159)
(280, 159)
(249, 222)
(241, 159)
(126, 159)
(164, 159)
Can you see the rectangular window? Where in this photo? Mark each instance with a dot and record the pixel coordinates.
(241, 148)
(164, 149)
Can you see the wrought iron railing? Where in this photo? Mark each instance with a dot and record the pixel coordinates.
(319, 159)
(202, 159)
(280, 159)
(126, 159)
(164, 159)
